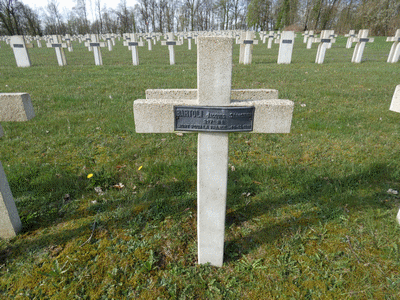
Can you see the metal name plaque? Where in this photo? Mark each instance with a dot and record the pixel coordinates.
(286, 41)
(133, 44)
(171, 43)
(213, 118)
(247, 42)
(364, 40)
(325, 40)
(56, 45)
(94, 44)
(18, 46)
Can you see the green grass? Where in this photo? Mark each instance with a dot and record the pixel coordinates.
(308, 213)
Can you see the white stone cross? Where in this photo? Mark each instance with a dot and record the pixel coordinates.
(171, 43)
(310, 39)
(286, 47)
(58, 46)
(305, 35)
(156, 115)
(109, 42)
(246, 47)
(350, 36)
(189, 38)
(13, 107)
(271, 37)
(68, 40)
(325, 40)
(361, 40)
(132, 43)
(95, 44)
(149, 42)
(21, 55)
(394, 53)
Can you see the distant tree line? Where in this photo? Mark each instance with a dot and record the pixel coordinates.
(382, 17)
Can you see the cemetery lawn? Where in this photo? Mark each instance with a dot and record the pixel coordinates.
(308, 213)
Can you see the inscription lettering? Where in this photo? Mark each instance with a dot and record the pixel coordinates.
(171, 43)
(215, 119)
(287, 41)
(94, 44)
(325, 40)
(132, 44)
(18, 46)
(364, 40)
(248, 42)
(56, 45)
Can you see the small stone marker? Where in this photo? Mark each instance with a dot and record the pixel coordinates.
(246, 47)
(58, 46)
(394, 53)
(305, 36)
(395, 105)
(361, 40)
(21, 55)
(132, 43)
(350, 36)
(13, 107)
(171, 43)
(325, 40)
(286, 47)
(95, 44)
(213, 110)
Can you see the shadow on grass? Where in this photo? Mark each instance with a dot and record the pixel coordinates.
(330, 197)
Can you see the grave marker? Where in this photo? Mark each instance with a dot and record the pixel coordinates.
(361, 40)
(13, 107)
(21, 55)
(325, 40)
(246, 47)
(132, 43)
(171, 43)
(212, 101)
(271, 37)
(95, 45)
(350, 36)
(394, 53)
(286, 47)
(58, 46)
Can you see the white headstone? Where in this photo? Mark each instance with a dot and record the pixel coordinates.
(246, 47)
(213, 96)
(57, 44)
(394, 53)
(325, 40)
(286, 47)
(350, 36)
(21, 55)
(395, 105)
(95, 45)
(171, 43)
(133, 44)
(361, 40)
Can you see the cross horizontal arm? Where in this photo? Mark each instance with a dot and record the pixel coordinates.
(157, 115)
(191, 94)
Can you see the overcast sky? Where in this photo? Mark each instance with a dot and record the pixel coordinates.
(67, 5)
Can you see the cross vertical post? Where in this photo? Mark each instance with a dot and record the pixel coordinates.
(214, 72)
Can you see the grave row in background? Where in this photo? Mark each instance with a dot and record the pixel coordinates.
(246, 40)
